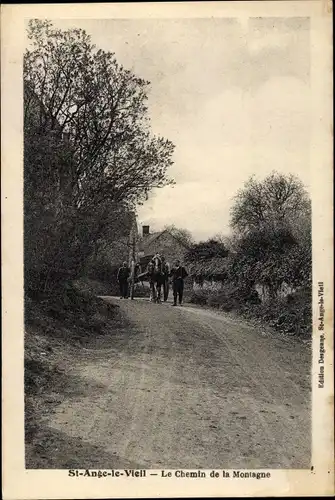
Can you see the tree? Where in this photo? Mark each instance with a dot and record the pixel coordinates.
(262, 257)
(272, 239)
(206, 250)
(101, 108)
(183, 235)
(276, 201)
(89, 154)
(207, 260)
(226, 240)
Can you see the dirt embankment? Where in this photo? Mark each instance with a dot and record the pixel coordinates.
(57, 332)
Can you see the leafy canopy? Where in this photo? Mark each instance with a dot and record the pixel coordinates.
(101, 109)
(89, 153)
(206, 250)
(276, 200)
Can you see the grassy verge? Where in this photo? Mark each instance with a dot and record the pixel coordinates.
(291, 314)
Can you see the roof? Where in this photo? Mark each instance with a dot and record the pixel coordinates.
(216, 267)
(147, 240)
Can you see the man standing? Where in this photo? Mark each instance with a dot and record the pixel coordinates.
(178, 274)
(122, 277)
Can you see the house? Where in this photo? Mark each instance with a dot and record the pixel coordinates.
(163, 242)
(208, 273)
(142, 247)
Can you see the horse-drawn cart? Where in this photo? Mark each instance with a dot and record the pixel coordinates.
(158, 280)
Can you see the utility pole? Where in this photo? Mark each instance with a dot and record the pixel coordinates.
(133, 263)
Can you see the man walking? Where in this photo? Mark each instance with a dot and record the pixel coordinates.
(178, 274)
(122, 277)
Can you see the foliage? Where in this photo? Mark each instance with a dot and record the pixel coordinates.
(272, 244)
(207, 260)
(270, 258)
(206, 250)
(229, 296)
(102, 109)
(270, 247)
(291, 314)
(89, 155)
(271, 202)
(106, 260)
(199, 297)
(182, 235)
(261, 258)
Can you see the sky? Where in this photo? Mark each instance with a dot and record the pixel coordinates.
(234, 97)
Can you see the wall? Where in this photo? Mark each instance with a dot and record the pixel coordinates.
(263, 291)
(208, 285)
(168, 246)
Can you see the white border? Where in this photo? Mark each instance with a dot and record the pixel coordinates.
(28, 484)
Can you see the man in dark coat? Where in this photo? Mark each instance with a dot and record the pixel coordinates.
(122, 277)
(178, 274)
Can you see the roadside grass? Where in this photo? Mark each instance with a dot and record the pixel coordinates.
(291, 315)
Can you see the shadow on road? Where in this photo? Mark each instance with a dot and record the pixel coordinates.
(52, 449)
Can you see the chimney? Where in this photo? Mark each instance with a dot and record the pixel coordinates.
(145, 230)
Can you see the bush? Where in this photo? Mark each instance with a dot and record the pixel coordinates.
(291, 314)
(222, 300)
(73, 196)
(199, 297)
(75, 309)
(95, 287)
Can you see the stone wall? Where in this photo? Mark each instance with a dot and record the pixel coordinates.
(211, 285)
(264, 294)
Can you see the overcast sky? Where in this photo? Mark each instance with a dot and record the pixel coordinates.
(233, 96)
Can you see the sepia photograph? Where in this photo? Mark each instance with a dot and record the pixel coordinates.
(135, 188)
(167, 218)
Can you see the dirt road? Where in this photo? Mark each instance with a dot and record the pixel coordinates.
(185, 388)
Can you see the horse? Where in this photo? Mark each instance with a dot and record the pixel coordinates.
(157, 279)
